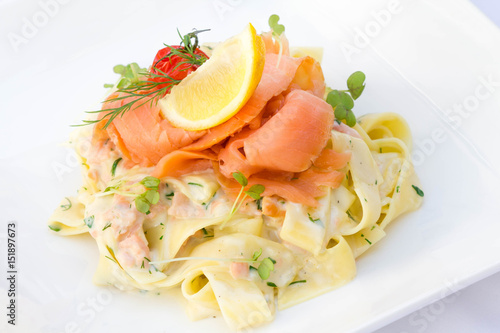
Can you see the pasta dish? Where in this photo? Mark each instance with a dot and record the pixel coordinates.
(233, 172)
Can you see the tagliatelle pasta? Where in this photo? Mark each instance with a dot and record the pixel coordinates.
(291, 236)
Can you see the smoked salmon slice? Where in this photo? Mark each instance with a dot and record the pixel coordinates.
(143, 136)
(179, 162)
(294, 137)
(232, 159)
(330, 160)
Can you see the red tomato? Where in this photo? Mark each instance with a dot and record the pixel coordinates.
(174, 66)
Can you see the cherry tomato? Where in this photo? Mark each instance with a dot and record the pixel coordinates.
(174, 66)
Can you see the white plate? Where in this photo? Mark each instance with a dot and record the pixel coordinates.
(425, 60)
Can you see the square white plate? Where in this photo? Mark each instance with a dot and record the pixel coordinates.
(436, 63)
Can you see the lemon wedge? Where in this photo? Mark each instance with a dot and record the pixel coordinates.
(220, 87)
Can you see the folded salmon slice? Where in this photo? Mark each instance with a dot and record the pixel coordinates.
(180, 162)
(143, 136)
(294, 137)
(330, 160)
(232, 159)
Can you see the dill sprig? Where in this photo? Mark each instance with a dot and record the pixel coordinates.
(150, 86)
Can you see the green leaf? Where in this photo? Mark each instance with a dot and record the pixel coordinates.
(152, 196)
(109, 85)
(89, 221)
(115, 164)
(135, 69)
(123, 83)
(119, 69)
(265, 268)
(350, 119)
(106, 226)
(257, 188)
(311, 219)
(195, 184)
(129, 73)
(299, 281)
(150, 182)
(255, 191)
(259, 204)
(340, 112)
(336, 97)
(275, 26)
(54, 228)
(115, 187)
(272, 284)
(256, 255)
(142, 205)
(67, 206)
(356, 85)
(418, 190)
(240, 178)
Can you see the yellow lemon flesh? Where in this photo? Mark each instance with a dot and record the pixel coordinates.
(220, 87)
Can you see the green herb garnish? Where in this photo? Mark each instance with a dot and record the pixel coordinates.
(256, 255)
(67, 206)
(272, 284)
(254, 192)
(144, 201)
(259, 204)
(418, 190)
(195, 184)
(265, 268)
(54, 228)
(115, 164)
(299, 281)
(113, 257)
(89, 221)
(311, 219)
(277, 29)
(342, 102)
(106, 226)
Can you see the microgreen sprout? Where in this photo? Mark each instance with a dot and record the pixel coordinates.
(253, 192)
(277, 29)
(342, 102)
(144, 201)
